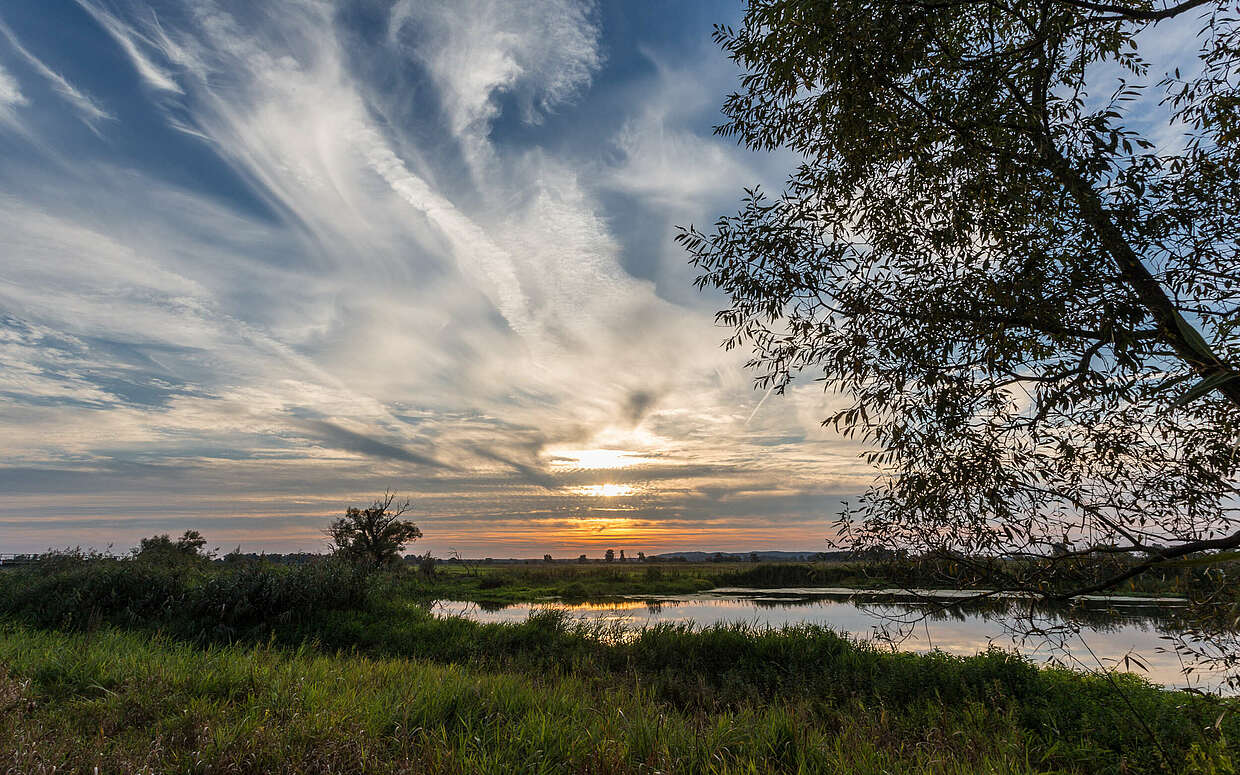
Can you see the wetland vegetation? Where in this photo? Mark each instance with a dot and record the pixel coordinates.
(185, 665)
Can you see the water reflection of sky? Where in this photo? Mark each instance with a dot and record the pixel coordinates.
(1105, 636)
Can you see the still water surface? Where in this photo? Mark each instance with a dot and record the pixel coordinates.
(1096, 634)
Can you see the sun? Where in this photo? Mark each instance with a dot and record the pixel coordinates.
(606, 490)
(596, 458)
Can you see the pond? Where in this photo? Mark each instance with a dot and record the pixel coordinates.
(1099, 632)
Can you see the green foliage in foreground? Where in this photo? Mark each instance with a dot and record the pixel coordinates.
(126, 702)
(381, 685)
(190, 596)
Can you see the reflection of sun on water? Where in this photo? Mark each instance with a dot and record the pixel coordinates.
(606, 490)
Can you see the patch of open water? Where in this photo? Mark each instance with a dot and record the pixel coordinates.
(1098, 633)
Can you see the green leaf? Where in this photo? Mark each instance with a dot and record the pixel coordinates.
(1205, 386)
(1194, 340)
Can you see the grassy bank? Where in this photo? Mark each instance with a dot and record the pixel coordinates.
(127, 703)
(195, 668)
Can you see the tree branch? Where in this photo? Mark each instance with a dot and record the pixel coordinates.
(1124, 12)
(1164, 555)
(1174, 329)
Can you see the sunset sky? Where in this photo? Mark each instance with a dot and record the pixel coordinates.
(260, 261)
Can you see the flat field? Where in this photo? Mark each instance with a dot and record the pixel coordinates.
(115, 666)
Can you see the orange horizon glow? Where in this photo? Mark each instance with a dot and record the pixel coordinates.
(589, 519)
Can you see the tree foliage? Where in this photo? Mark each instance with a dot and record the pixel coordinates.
(1011, 249)
(191, 545)
(374, 535)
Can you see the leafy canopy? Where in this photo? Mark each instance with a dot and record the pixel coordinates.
(191, 545)
(1011, 249)
(374, 535)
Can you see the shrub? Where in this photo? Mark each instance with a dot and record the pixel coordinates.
(193, 599)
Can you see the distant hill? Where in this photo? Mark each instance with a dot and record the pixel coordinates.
(769, 556)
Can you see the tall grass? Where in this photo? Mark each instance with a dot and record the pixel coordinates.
(782, 697)
(121, 702)
(188, 596)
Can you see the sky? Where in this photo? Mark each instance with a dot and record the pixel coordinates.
(263, 261)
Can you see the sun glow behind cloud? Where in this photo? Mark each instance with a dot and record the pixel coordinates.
(596, 458)
(606, 490)
(287, 263)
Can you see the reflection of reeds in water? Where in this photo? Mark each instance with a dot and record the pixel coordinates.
(1061, 633)
(1101, 615)
(1093, 615)
(1098, 615)
(781, 603)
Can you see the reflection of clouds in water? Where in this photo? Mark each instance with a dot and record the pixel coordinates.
(1108, 635)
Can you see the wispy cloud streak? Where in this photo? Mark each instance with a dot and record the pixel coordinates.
(11, 97)
(90, 111)
(132, 43)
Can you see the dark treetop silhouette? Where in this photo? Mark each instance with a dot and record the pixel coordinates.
(1029, 306)
(376, 534)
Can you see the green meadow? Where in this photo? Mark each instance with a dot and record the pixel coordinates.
(120, 666)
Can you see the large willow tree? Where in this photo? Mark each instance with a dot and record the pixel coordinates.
(1011, 247)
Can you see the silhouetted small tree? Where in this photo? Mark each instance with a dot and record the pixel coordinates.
(375, 534)
(191, 544)
(610, 555)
